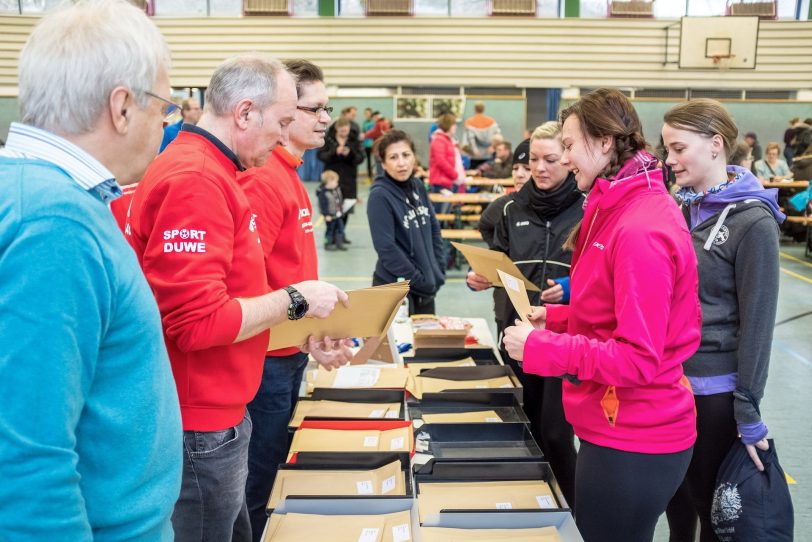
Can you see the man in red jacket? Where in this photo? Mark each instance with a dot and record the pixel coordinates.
(196, 239)
(284, 219)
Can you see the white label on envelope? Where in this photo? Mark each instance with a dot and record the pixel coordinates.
(493, 420)
(401, 533)
(511, 282)
(397, 443)
(377, 413)
(392, 414)
(545, 501)
(504, 506)
(388, 485)
(371, 441)
(369, 535)
(356, 377)
(365, 487)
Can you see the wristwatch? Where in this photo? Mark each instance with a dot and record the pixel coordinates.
(298, 304)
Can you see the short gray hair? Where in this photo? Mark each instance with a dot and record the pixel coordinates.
(78, 54)
(248, 76)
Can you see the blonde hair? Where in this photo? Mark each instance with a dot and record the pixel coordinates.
(549, 130)
(329, 175)
(772, 145)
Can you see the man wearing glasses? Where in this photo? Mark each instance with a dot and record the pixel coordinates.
(190, 113)
(284, 218)
(196, 239)
(91, 433)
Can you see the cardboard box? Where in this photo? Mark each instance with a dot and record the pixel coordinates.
(477, 442)
(493, 377)
(504, 406)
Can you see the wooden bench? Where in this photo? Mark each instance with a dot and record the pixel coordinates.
(465, 235)
(806, 220)
(451, 217)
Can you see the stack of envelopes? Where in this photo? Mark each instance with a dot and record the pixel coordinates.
(293, 527)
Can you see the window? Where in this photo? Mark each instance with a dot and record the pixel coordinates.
(469, 8)
(673, 9)
(435, 8)
(787, 9)
(706, 7)
(549, 8)
(38, 6)
(594, 8)
(306, 8)
(229, 8)
(9, 6)
(353, 8)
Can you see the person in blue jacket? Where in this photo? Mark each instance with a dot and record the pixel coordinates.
(405, 232)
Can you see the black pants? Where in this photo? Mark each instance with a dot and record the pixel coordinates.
(368, 151)
(716, 433)
(621, 495)
(549, 426)
(418, 304)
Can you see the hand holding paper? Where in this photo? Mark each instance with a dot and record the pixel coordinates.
(486, 263)
(321, 297)
(518, 295)
(477, 282)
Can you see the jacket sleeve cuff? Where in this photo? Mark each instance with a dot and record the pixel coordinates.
(540, 357)
(752, 432)
(557, 317)
(565, 285)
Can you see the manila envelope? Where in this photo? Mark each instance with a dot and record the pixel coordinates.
(536, 534)
(341, 409)
(386, 480)
(370, 314)
(361, 377)
(487, 262)
(484, 416)
(518, 296)
(415, 367)
(378, 528)
(507, 495)
(435, 385)
(351, 440)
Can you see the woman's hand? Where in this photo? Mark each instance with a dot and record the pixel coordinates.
(538, 317)
(477, 282)
(514, 339)
(751, 451)
(553, 294)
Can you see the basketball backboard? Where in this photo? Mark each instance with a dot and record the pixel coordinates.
(718, 42)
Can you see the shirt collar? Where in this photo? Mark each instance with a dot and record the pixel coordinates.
(26, 141)
(214, 141)
(288, 157)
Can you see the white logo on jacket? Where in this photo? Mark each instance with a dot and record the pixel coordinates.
(722, 236)
(524, 223)
(195, 244)
(413, 214)
(599, 246)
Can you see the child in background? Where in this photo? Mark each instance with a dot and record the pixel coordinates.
(330, 202)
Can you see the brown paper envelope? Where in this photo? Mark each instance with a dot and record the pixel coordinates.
(362, 376)
(435, 385)
(507, 495)
(299, 527)
(370, 314)
(386, 480)
(333, 440)
(398, 527)
(517, 293)
(487, 262)
(484, 416)
(538, 534)
(341, 409)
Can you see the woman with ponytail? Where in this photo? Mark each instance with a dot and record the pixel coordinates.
(632, 321)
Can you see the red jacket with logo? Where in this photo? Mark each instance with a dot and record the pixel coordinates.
(284, 217)
(442, 161)
(195, 237)
(633, 320)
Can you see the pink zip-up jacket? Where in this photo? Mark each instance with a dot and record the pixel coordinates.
(633, 319)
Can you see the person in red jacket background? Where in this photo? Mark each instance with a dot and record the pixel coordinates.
(284, 218)
(445, 161)
(196, 239)
(633, 319)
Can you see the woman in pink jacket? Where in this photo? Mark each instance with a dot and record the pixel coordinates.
(445, 161)
(633, 319)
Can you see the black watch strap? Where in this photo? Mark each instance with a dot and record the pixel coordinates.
(298, 304)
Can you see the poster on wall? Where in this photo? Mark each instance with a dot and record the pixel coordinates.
(455, 106)
(411, 108)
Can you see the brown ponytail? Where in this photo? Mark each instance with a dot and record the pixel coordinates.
(607, 112)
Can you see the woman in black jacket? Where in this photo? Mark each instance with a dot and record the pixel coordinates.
(343, 153)
(405, 232)
(532, 230)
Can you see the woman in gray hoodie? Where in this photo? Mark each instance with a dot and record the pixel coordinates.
(734, 226)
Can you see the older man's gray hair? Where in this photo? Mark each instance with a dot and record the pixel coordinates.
(249, 76)
(78, 54)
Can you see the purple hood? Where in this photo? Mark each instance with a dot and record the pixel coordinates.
(745, 186)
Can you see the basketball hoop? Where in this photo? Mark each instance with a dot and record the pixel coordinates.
(723, 62)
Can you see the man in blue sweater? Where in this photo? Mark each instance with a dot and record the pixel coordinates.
(190, 113)
(90, 429)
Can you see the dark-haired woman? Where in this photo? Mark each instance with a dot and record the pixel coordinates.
(405, 232)
(632, 321)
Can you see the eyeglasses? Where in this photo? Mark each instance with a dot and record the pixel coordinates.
(316, 110)
(168, 109)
